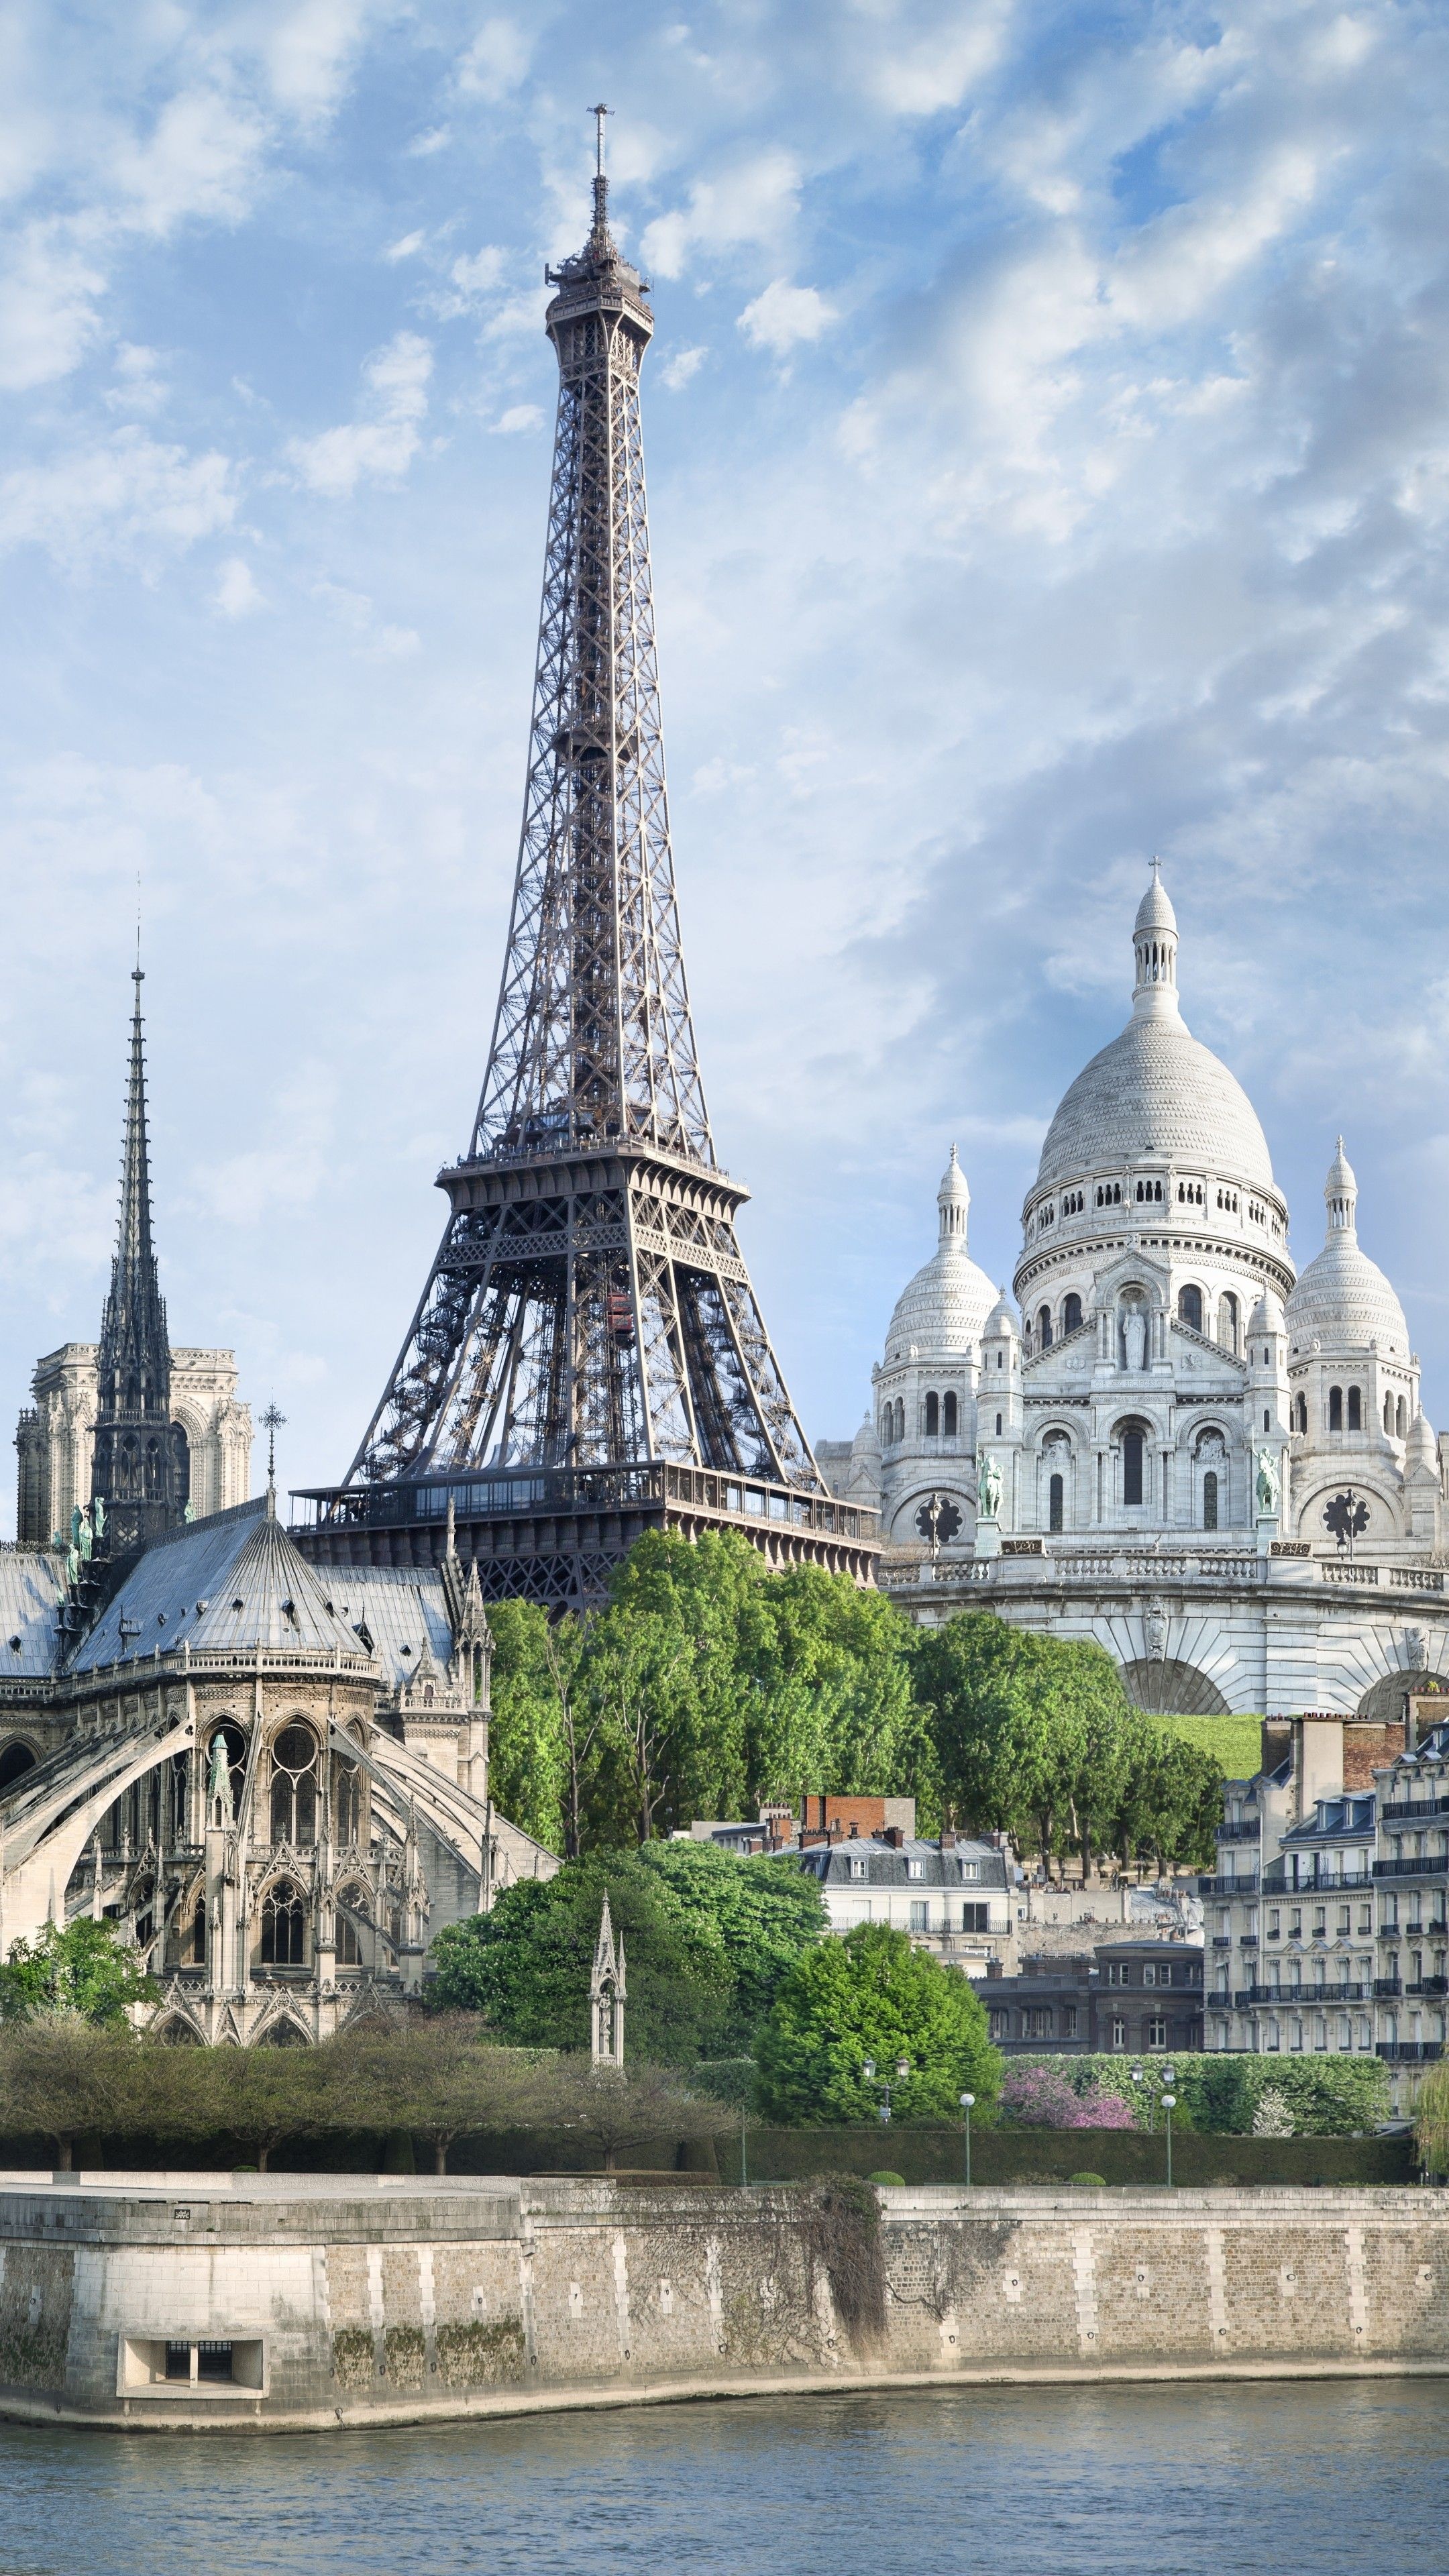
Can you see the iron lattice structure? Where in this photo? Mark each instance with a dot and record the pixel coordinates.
(589, 1322)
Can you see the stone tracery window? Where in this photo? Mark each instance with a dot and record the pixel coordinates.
(284, 1925)
(1072, 1313)
(1189, 1307)
(346, 1802)
(294, 1786)
(349, 1942)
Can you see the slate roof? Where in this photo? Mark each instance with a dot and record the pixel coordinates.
(886, 1864)
(398, 1605)
(30, 1596)
(231, 1584)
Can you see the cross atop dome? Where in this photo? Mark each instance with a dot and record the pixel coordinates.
(1154, 946)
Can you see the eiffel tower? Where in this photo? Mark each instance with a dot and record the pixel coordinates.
(588, 1358)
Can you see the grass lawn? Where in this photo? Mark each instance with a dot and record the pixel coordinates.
(1235, 1742)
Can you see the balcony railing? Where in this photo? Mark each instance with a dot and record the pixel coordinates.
(1410, 2052)
(1246, 1830)
(567, 1492)
(1427, 1986)
(1297, 1996)
(1247, 1885)
(1426, 1865)
(1408, 1811)
(1388, 1985)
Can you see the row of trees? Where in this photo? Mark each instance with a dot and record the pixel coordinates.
(708, 1687)
(433, 2080)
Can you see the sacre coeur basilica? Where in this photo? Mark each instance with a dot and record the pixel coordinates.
(1167, 1440)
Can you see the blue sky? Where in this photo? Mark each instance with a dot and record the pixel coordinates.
(1046, 429)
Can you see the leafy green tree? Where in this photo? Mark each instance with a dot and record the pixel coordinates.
(528, 1765)
(763, 1914)
(64, 2077)
(872, 1996)
(83, 1971)
(436, 2079)
(612, 2108)
(525, 1966)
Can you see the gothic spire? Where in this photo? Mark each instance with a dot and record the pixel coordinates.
(140, 1457)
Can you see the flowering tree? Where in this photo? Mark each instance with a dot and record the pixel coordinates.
(1037, 2097)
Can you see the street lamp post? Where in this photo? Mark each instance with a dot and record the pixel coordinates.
(1169, 2104)
(968, 2103)
(903, 2068)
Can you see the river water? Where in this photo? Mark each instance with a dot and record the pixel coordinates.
(1332, 2479)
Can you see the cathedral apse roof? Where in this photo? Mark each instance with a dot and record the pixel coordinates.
(231, 1584)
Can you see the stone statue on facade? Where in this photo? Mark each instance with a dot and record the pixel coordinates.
(1267, 1483)
(988, 1488)
(1134, 1339)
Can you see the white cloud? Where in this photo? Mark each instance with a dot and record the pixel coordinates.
(139, 386)
(119, 498)
(237, 594)
(48, 297)
(381, 446)
(495, 62)
(521, 416)
(407, 248)
(784, 315)
(682, 370)
(754, 202)
(472, 277)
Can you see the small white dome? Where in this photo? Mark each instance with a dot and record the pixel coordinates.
(1421, 1449)
(1267, 1315)
(942, 1310)
(1343, 1299)
(1002, 1320)
(865, 1447)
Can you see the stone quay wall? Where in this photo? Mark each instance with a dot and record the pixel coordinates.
(287, 2302)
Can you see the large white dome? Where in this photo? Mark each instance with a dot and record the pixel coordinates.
(1156, 1092)
(943, 1310)
(1343, 1299)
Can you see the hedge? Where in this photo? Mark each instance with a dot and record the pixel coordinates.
(1330, 2096)
(931, 2154)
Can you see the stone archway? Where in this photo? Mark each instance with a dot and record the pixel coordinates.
(1387, 1704)
(1166, 1688)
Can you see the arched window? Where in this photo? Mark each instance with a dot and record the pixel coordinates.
(1389, 1414)
(346, 1802)
(294, 1786)
(998, 1426)
(1072, 1314)
(1189, 1307)
(284, 1924)
(900, 1417)
(1228, 1320)
(1300, 1413)
(1210, 1499)
(948, 1415)
(1044, 1329)
(1401, 1420)
(1055, 1498)
(1131, 1466)
(351, 1902)
(1355, 1409)
(198, 1933)
(933, 1416)
(15, 1761)
(1335, 1408)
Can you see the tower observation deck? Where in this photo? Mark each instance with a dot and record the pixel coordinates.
(588, 1358)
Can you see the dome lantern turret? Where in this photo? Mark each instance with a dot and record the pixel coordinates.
(953, 1198)
(1154, 946)
(1340, 1194)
